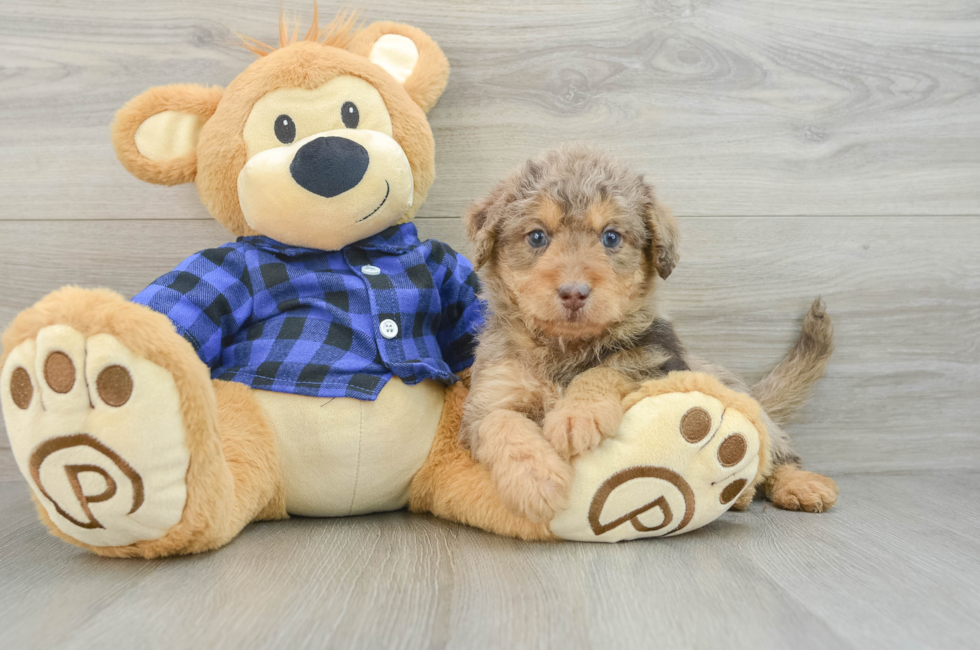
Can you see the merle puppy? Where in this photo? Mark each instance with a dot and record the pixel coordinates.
(572, 247)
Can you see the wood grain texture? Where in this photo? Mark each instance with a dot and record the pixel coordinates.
(900, 392)
(733, 107)
(894, 566)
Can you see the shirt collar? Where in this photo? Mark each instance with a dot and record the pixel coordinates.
(396, 240)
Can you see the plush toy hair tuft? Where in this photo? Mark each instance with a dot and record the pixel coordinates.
(337, 33)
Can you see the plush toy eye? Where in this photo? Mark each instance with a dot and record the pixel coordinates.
(285, 129)
(350, 115)
(537, 239)
(611, 239)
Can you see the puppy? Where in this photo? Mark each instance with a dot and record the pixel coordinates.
(572, 247)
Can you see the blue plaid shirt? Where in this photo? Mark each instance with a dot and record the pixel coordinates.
(297, 320)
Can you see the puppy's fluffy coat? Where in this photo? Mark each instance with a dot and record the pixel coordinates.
(571, 248)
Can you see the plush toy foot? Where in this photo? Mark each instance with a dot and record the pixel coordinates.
(99, 435)
(105, 405)
(687, 449)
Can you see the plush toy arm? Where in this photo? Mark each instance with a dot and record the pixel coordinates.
(208, 298)
(462, 311)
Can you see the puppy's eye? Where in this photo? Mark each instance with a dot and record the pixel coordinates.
(537, 239)
(285, 129)
(350, 115)
(611, 239)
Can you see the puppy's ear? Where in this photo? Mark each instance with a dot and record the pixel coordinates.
(407, 54)
(480, 222)
(664, 234)
(155, 134)
(483, 219)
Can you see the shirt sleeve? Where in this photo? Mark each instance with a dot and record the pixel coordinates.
(463, 312)
(208, 297)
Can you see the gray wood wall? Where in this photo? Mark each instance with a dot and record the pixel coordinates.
(810, 148)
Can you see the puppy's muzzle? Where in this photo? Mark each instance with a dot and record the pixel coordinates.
(329, 166)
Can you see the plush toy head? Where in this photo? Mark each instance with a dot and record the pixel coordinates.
(319, 143)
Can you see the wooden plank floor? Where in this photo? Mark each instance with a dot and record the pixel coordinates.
(896, 565)
(828, 148)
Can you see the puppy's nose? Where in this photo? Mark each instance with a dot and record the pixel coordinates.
(329, 166)
(573, 296)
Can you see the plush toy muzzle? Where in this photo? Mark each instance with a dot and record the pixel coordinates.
(328, 189)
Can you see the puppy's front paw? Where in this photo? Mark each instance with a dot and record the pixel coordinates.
(534, 486)
(797, 489)
(576, 425)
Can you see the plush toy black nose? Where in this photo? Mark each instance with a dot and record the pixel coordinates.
(329, 166)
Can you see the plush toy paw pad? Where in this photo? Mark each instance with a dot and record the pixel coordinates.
(679, 461)
(115, 385)
(59, 372)
(695, 424)
(98, 433)
(21, 389)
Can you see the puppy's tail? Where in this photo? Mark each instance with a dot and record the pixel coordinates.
(787, 387)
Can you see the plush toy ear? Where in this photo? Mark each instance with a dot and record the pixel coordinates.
(155, 134)
(408, 55)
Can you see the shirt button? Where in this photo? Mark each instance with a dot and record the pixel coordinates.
(389, 328)
(369, 269)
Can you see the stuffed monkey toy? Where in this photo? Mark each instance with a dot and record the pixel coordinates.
(312, 366)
